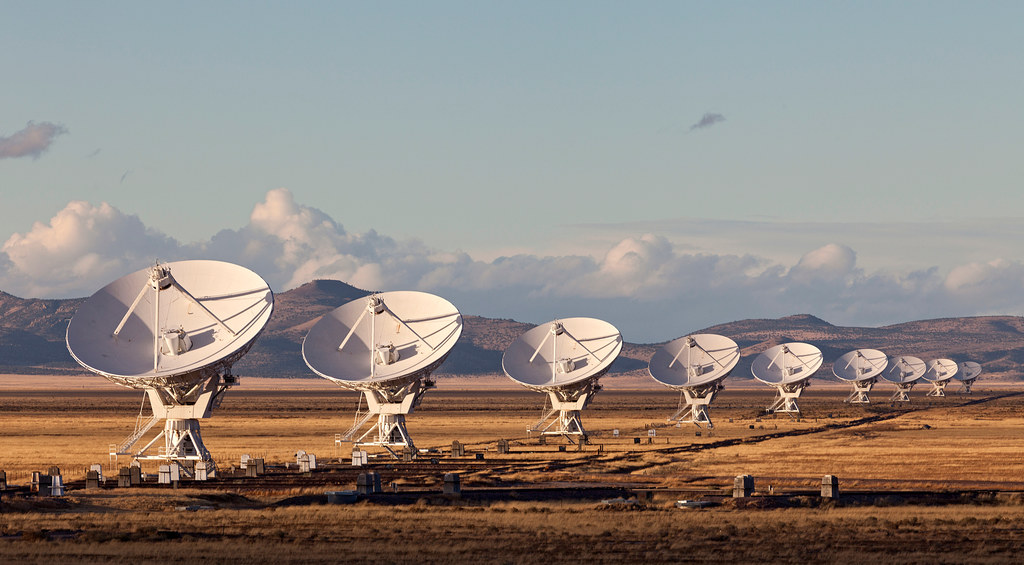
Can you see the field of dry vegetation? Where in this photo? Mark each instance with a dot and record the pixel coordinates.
(938, 481)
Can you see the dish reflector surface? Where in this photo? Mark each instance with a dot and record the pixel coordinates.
(391, 336)
(860, 365)
(787, 363)
(904, 369)
(968, 370)
(138, 336)
(694, 360)
(562, 353)
(938, 370)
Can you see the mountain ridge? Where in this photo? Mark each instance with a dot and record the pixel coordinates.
(32, 338)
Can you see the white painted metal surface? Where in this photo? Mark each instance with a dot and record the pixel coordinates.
(695, 365)
(938, 370)
(969, 371)
(904, 371)
(967, 375)
(173, 330)
(694, 361)
(563, 358)
(391, 336)
(787, 367)
(562, 353)
(386, 346)
(860, 367)
(788, 363)
(122, 330)
(938, 373)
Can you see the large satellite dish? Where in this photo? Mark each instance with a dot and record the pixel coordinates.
(787, 367)
(939, 372)
(860, 367)
(173, 330)
(563, 358)
(968, 373)
(385, 346)
(903, 371)
(696, 365)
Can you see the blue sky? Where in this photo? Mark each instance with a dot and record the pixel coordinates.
(860, 162)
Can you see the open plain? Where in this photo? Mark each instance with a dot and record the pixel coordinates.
(938, 480)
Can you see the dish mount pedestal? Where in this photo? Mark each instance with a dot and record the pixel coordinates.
(181, 412)
(785, 402)
(567, 404)
(696, 401)
(390, 406)
(860, 391)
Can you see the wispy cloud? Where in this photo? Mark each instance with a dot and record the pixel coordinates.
(648, 286)
(32, 141)
(707, 120)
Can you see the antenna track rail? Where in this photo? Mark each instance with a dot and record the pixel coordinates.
(700, 447)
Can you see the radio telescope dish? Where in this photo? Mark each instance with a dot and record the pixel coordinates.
(968, 373)
(563, 358)
(903, 371)
(861, 367)
(696, 365)
(787, 367)
(938, 372)
(385, 346)
(173, 330)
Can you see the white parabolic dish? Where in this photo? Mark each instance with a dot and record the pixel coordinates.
(788, 363)
(904, 369)
(968, 370)
(562, 353)
(391, 336)
(860, 365)
(939, 370)
(237, 303)
(694, 360)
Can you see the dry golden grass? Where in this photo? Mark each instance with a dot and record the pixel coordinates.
(515, 533)
(937, 445)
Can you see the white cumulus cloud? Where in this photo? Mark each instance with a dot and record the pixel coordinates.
(647, 286)
(82, 247)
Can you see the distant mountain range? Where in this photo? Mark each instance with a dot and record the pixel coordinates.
(32, 338)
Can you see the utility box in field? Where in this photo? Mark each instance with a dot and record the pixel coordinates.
(743, 486)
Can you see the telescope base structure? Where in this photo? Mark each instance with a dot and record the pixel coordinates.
(965, 386)
(696, 401)
(181, 409)
(567, 404)
(938, 389)
(390, 406)
(860, 392)
(902, 393)
(786, 401)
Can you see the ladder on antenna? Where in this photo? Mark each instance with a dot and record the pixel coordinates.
(361, 419)
(539, 426)
(140, 430)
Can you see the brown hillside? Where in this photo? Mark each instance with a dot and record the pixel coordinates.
(32, 338)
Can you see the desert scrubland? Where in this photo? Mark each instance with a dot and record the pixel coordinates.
(965, 449)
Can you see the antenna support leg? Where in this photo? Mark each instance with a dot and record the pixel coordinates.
(938, 389)
(569, 422)
(182, 440)
(786, 401)
(860, 392)
(697, 401)
(391, 407)
(902, 393)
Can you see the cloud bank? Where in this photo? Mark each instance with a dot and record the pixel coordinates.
(32, 141)
(650, 288)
